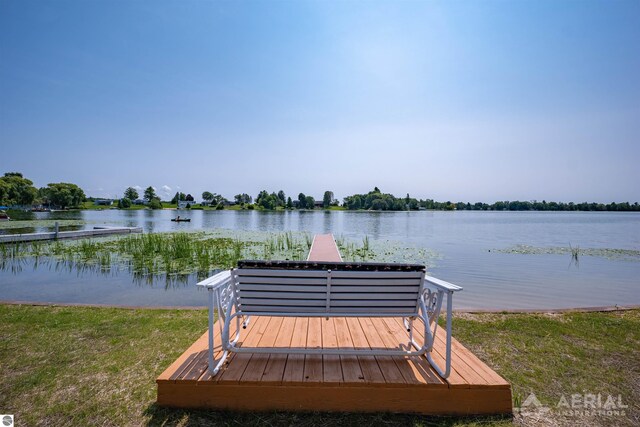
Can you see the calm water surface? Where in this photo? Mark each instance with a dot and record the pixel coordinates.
(465, 241)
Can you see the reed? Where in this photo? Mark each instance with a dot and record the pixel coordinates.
(308, 240)
(575, 253)
(171, 254)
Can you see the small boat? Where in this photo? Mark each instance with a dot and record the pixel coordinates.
(181, 219)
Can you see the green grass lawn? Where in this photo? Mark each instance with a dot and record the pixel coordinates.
(97, 366)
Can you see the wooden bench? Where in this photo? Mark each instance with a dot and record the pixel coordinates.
(329, 289)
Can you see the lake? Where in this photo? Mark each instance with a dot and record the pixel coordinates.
(504, 260)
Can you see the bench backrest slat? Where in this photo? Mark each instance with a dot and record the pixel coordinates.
(307, 291)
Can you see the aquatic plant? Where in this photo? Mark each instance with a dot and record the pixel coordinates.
(174, 255)
(575, 252)
(161, 253)
(308, 239)
(607, 253)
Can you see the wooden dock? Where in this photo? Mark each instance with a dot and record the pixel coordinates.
(100, 231)
(332, 383)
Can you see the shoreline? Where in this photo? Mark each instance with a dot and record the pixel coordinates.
(601, 309)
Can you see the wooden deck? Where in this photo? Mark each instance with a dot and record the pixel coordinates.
(332, 383)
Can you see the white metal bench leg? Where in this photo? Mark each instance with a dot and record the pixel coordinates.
(447, 369)
(214, 366)
(408, 324)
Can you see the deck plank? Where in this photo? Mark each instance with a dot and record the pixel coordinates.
(200, 364)
(313, 371)
(256, 366)
(368, 364)
(475, 371)
(351, 371)
(187, 366)
(456, 379)
(461, 366)
(244, 332)
(294, 370)
(390, 370)
(420, 368)
(491, 376)
(236, 366)
(391, 341)
(274, 370)
(331, 365)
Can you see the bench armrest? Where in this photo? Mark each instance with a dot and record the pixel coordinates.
(216, 281)
(441, 284)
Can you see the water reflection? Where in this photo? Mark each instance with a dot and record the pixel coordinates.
(464, 241)
(19, 265)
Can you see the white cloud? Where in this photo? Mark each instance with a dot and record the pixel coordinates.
(165, 191)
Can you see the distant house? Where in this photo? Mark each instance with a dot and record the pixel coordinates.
(103, 202)
(182, 204)
(139, 202)
(318, 204)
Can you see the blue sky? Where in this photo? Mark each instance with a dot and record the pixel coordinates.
(470, 101)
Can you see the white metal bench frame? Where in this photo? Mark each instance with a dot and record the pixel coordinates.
(224, 298)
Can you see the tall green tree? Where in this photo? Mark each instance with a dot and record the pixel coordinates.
(302, 201)
(16, 190)
(207, 196)
(64, 194)
(289, 203)
(266, 200)
(310, 202)
(327, 199)
(149, 193)
(4, 192)
(178, 197)
(131, 193)
(281, 198)
(155, 203)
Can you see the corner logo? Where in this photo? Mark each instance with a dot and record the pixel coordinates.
(531, 404)
(588, 404)
(7, 420)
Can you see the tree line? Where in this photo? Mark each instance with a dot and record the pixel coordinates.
(535, 205)
(376, 200)
(16, 190)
